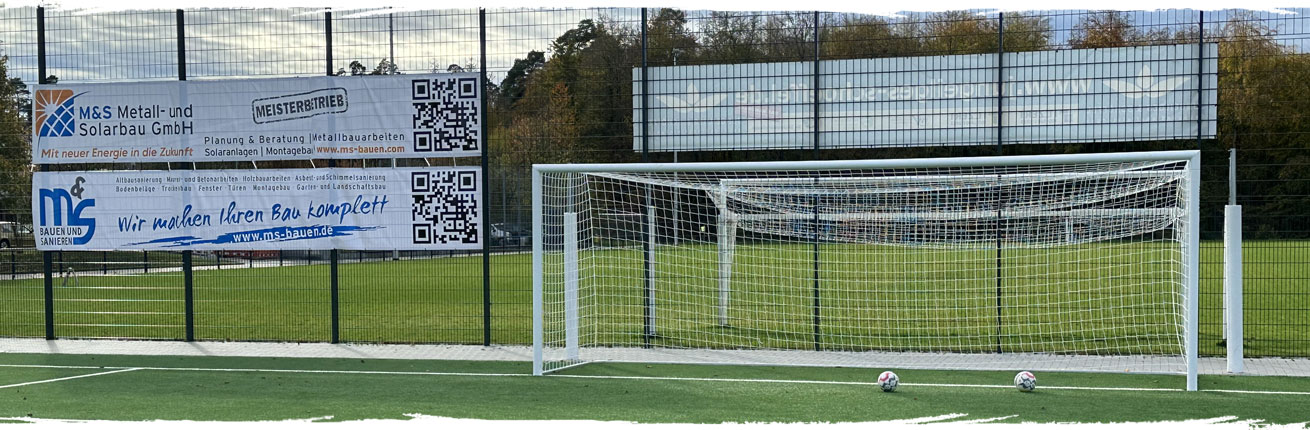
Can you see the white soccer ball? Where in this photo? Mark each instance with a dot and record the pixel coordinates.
(1025, 381)
(888, 381)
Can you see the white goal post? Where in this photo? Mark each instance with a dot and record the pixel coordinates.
(1077, 262)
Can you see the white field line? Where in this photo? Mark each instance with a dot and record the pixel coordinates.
(1046, 388)
(651, 378)
(70, 377)
(983, 420)
(1258, 392)
(910, 384)
(215, 369)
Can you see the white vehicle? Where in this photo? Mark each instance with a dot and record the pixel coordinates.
(13, 234)
(499, 236)
(504, 235)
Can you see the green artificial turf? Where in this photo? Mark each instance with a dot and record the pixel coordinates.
(251, 395)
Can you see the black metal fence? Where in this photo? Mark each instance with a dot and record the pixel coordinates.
(561, 87)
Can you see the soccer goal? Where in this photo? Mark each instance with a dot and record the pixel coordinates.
(1083, 262)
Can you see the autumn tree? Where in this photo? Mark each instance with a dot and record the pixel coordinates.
(964, 32)
(15, 148)
(1264, 111)
(515, 84)
(864, 36)
(668, 40)
(789, 36)
(1112, 29)
(732, 37)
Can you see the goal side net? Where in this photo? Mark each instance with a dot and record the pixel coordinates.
(1080, 262)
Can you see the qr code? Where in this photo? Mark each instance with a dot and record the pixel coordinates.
(446, 114)
(446, 208)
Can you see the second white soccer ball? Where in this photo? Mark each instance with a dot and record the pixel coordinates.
(888, 381)
(1025, 381)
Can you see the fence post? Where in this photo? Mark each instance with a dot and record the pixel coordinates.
(486, 180)
(333, 255)
(818, 332)
(188, 292)
(648, 294)
(47, 257)
(336, 303)
(1000, 150)
(645, 94)
(815, 90)
(1200, 78)
(189, 311)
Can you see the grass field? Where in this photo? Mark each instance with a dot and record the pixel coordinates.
(1086, 298)
(440, 300)
(236, 389)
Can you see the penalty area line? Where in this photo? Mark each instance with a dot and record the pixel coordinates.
(70, 377)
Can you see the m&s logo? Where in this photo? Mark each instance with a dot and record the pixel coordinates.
(54, 113)
(61, 220)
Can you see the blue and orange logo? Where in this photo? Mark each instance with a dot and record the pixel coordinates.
(54, 113)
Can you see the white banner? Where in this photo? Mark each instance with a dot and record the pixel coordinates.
(389, 116)
(430, 208)
(1067, 96)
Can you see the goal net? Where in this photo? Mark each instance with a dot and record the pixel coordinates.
(1063, 262)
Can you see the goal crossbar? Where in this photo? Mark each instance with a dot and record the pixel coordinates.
(964, 215)
(909, 163)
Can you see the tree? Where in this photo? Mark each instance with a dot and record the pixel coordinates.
(23, 96)
(386, 67)
(731, 37)
(1103, 29)
(1264, 107)
(669, 40)
(959, 32)
(963, 32)
(789, 36)
(1111, 29)
(862, 36)
(1264, 110)
(1024, 32)
(357, 68)
(575, 39)
(515, 84)
(546, 136)
(15, 147)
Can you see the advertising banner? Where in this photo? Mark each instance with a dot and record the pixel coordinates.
(344, 117)
(428, 208)
(1066, 96)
